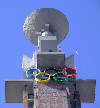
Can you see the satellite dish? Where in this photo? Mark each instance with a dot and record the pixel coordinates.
(39, 20)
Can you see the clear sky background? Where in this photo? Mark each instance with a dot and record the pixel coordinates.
(83, 37)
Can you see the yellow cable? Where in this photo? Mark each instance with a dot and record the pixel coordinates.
(43, 81)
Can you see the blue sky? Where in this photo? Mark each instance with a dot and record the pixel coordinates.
(83, 37)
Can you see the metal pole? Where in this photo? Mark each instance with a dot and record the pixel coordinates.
(25, 87)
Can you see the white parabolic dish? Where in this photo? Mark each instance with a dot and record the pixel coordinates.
(36, 21)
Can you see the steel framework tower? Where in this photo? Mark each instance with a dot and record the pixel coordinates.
(49, 79)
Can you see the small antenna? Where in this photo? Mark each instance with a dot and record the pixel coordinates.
(25, 87)
(75, 86)
(75, 90)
